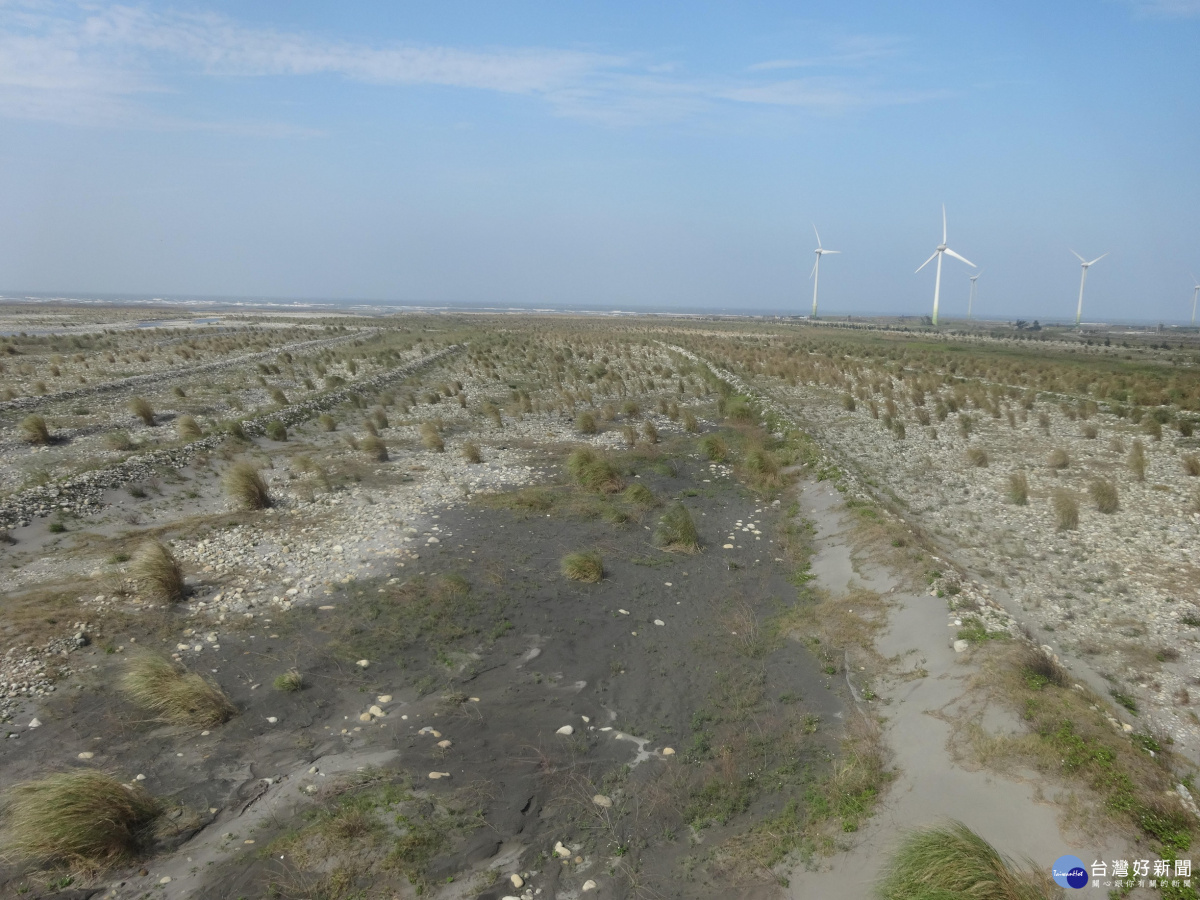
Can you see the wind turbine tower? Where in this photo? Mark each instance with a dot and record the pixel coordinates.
(1082, 280)
(971, 299)
(941, 248)
(1195, 294)
(815, 274)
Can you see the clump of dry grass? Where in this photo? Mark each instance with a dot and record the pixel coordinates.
(290, 681)
(1137, 460)
(375, 448)
(1040, 669)
(470, 452)
(763, 468)
(157, 572)
(585, 423)
(246, 486)
(1191, 464)
(977, 456)
(1066, 510)
(639, 494)
(327, 422)
(34, 430)
(1104, 495)
(1090, 431)
(676, 531)
(188, 428)
(276, 430)
(714, 448)
(948, 862)
(594, 472)
(431, 438)
(1018, 488)
(650, 432)
(82, 817)
(173, 694)
(690, 424)
(1058, 459)
(586, 566)
(141, 408)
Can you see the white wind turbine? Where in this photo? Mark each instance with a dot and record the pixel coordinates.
(815, 274)
(971, 299)
(1082, 279)
(941, 248)
(1195, 294)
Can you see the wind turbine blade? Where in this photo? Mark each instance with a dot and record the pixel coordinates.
(927, 262)
(1078, 257)
(830, 251)
(1097, 259)
(1195, 280)
(943, 223)
(814, 268)
(962, 258)
(818, 234)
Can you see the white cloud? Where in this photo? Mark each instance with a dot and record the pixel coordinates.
(119, 65)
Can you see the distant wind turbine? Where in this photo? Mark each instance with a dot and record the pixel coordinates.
(971, 299)
(1082, 279)
(815, 274)
(1195, 294)
(941, 248)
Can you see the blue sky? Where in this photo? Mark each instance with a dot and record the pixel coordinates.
(611, 154)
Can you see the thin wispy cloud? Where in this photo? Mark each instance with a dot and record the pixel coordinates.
(122, 65)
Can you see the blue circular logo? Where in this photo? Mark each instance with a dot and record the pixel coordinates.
(1069, 872)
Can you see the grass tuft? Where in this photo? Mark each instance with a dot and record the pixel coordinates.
(1059, 459)
(1191, 465)
(977, 456)
(594, 472)
(188, 428)
(585, 423)
(81, 817)
(246, 486)
(327, 422)
(676, 531)
(470, 452)
(431, 438)
(157, 572)
(714, 448)
(374, 447)
(1137, 460)
(141, 408)
(290, 681)
(1104, 495)
(1066, 510)
(951, 862)
(276, 430)
(586, 566)
(174, 695)
(1018, 488)
(34, 430)
(639, 494)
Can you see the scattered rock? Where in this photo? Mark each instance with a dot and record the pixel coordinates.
(363, 663)
(566, 730)
(668, 751)
(602, 801)
(960, 646)
(589, 885)
(86, 754)
(272, 719)
(516, 880)
(436, 775)
(560, 850)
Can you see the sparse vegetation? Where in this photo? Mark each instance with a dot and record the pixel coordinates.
(327, 422)
(586, 566)
(470, 452)
(290, 681)
(174, 695)
(246, 486)
(1066, 510)
(585, 423)
(951, 862)
(977, 456)
(375, 448)
(81, 817)
(158, 574)
(676, 531)
(1018, 488)
(1191, 464)
(431, 438)
(34, 430)
(594, 472)
(1058, 459)
(188, 428)
(1137, 460)
(141, 408)
(714, 448)
(1104, 494)
(276, 430)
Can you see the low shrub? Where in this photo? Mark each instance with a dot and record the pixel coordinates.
(34, 430)
(1018, 488)
(585, 423)
(374, 447)
(594, 472)
(327, 422)
(1104, 495)
(977, 456)
(141, 408)
(470, 452)
(714, 448)
(1066, 510)
(188, 428)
